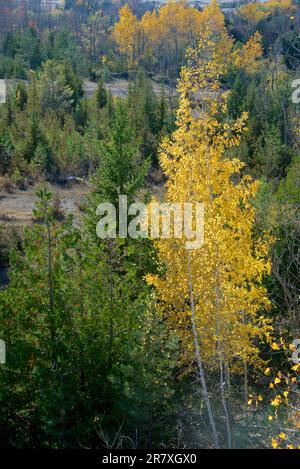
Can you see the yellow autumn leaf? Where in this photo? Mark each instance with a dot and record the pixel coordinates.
(296, 367)
(276, 402)
(275, 346)
(274, 443)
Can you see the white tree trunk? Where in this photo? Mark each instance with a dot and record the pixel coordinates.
(199, 359)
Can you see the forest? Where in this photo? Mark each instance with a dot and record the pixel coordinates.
(140, 342)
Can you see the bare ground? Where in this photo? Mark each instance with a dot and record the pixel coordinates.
(119, 88)
(16, 207)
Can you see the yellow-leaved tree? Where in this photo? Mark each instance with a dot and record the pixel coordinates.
(246, 57)
(129, 36)
(163, 36)
(212, 296)
(213, 18)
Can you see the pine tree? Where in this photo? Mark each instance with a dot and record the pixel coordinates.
(121, 171)
(39, 320)
(143, 113)
(118, 266)
(101, 95)
(56, 93)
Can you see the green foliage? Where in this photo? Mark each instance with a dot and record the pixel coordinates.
(289, 187)
(148, 115)
(56, 93)
(121, 170)
(267, 147)
(87, 351)
(101, 95)
(90, 360)
(6, 151)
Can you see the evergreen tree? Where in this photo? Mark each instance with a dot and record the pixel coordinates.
(101, 95)
(121, 171)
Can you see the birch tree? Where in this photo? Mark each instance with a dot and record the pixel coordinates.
(212, 296)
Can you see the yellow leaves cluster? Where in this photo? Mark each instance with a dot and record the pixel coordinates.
(176, 25)
(274, 443)
(286, 400)
(128, 35)
(246, 57)
(291, 439)
(255, 12)
(168, 30)
(282, 436)
(252, 13)
(277, 401)
(228, 270)
(255, 400)
(275, 346)
(283, 4)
